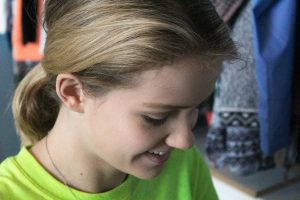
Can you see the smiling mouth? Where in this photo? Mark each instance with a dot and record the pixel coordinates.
(158, 157)
(160, 153)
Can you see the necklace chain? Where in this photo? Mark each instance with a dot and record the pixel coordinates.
(58, 171)
(65, 182)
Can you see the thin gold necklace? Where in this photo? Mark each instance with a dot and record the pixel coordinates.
(59, 172)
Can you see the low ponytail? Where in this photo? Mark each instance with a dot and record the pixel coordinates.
(35, 106)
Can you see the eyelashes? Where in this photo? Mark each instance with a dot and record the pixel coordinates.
(155, 122)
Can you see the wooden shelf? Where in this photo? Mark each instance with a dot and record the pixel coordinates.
(262, 183)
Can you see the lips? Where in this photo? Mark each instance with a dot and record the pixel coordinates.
(158, 157)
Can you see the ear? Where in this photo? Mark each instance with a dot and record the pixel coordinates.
(69, 90)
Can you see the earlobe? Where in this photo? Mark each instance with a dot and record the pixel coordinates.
(69, 90)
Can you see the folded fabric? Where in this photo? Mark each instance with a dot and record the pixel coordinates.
(233, 139)
(31, 50)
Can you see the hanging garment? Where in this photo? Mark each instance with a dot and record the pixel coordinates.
(233, 138)
(31, 50)
(296, 89)
(29, 20)
(227, 9)
(293, 151)
(9, 22)
(273, 31)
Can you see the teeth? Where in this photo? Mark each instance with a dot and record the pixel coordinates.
(158, 152)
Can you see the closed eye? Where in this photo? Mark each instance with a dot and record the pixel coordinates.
(154, 121)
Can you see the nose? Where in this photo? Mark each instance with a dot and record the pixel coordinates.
(181, 138)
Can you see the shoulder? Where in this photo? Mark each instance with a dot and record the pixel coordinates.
(14, 181)
(7, 178)
(22, 177)
(6, 168)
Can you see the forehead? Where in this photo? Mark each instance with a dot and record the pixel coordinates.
(185, 78)
(183, 82)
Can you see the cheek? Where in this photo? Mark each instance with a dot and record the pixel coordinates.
(144, 136)
(140, 133)
(123, 132)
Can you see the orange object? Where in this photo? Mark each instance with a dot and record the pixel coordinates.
(31, 50)
(209, 118)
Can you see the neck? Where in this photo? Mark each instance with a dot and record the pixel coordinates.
(72, 163)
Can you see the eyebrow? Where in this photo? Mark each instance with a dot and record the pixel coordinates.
(165, 106)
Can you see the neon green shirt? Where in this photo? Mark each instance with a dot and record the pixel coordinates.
(184, 177)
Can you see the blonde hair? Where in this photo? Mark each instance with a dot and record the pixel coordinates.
(105, 42)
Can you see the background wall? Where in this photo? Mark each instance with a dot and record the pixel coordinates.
(9, 142)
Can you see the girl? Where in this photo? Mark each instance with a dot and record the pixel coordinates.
(109, 112)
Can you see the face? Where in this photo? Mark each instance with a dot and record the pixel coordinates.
(134, 130)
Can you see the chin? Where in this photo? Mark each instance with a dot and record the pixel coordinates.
(148, 174)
